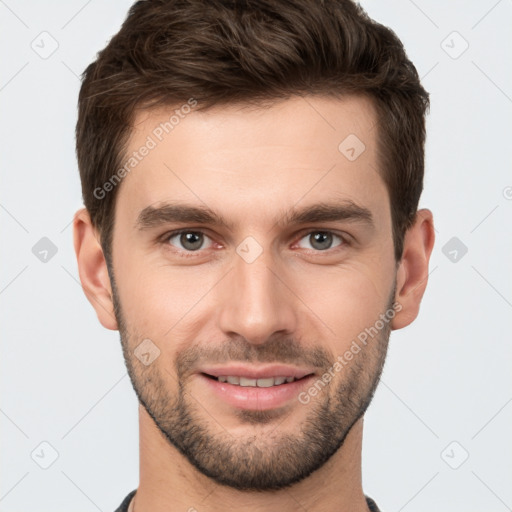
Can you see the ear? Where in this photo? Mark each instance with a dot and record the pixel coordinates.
(412, 275)
(92, 269)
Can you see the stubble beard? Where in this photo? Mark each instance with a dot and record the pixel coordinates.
(264, 459)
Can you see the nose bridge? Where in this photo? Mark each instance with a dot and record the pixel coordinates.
(255, 303)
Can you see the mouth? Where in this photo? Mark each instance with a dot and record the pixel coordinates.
(256, 388)
(266, 382)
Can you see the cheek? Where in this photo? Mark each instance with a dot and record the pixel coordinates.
(347, 299)
(159, 301)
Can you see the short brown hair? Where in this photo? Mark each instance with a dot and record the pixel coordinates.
(226, 51)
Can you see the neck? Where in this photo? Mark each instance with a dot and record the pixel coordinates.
(169, 482)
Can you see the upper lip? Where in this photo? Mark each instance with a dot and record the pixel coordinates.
(257, 372)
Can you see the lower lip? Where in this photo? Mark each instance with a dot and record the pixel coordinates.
(254, 398)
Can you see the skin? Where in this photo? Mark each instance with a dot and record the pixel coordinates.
(253, 165)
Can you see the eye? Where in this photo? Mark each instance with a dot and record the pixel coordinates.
(320, 240)
(188, 240)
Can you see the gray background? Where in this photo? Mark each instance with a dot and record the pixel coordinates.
(437, 436)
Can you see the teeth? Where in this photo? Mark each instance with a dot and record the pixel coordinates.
(247, 382)
(265, 383)
(260, 383)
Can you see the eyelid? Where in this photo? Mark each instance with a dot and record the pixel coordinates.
(164, 239)
(344, 237)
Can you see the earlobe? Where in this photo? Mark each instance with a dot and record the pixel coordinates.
(412, 274)
(92, 269)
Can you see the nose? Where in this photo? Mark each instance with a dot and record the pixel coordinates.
(256, 302)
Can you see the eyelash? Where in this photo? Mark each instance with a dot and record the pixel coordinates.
(190, 254)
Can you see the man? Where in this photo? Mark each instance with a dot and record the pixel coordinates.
(251, 172)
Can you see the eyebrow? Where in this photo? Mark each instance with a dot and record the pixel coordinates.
(346, 210)
(166, 213)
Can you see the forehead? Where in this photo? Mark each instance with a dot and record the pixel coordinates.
(299, 149)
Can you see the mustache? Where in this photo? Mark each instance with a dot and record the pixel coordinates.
(275, 350)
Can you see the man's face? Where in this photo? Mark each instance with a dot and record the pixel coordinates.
(301, 266)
